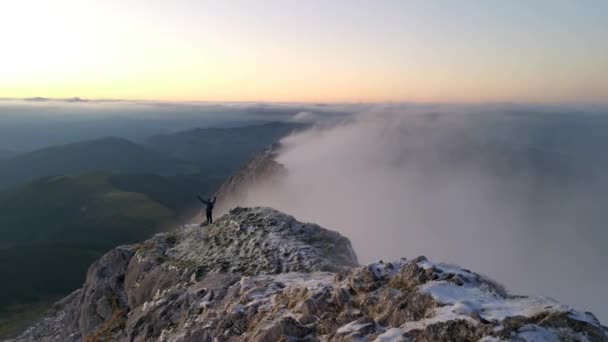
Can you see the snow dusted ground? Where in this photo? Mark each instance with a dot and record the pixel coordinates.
(262, 240)
(260, 275)
(473, 298)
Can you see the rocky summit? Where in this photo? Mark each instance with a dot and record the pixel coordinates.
(260, 275)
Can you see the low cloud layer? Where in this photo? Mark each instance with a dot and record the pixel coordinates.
(516, 195)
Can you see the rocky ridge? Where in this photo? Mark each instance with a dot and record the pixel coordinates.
(260, 275)
(261, 171)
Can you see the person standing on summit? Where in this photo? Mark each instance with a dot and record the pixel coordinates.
(208, 208)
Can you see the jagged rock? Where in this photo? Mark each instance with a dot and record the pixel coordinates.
(103, 293)
(260, 275)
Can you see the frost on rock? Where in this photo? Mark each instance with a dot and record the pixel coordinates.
(262, 240)
(260, 275)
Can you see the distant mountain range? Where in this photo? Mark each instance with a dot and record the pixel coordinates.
(45, 99)
(107, 154)
(61, 207)
(213, 152)
(221, 149)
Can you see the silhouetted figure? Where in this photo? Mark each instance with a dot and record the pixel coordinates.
(208, 208)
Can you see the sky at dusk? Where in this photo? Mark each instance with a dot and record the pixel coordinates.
(545, 51)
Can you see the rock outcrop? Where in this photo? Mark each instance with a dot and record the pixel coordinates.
(260, 275)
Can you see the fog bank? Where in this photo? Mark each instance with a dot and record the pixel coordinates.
(516, 196)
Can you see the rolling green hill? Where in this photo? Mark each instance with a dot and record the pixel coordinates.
(68, 209)
(107, 154)
(62, 207)
(210, 153)
(221, 150)
(53, 228)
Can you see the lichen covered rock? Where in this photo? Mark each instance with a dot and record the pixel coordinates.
(260, 275)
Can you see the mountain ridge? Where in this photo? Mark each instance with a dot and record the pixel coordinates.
(89, 197)
(262, 170)
(205, 146)
(105, 154)
(259, 274)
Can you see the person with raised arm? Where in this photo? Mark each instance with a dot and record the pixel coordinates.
(208, 208)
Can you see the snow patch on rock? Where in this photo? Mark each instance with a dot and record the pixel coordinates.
(258, 274)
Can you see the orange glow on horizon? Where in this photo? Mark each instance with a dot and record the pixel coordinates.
(199, 51)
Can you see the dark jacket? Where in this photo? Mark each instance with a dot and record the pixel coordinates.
(208, 203)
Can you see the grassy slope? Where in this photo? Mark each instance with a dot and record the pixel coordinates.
(221, 151)
(53, 229)
(107, 154)
(69, 209)
(17, 318)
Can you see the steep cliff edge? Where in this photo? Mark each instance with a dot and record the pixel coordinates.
(258, 274)
(261, 171)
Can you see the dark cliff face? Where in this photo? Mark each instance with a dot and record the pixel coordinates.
(258, 274)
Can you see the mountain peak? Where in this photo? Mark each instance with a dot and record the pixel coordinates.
(254, 241)
(259, 274)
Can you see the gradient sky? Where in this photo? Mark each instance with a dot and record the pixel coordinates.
(431, 51)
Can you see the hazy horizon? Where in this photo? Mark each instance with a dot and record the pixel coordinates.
(315, 51)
